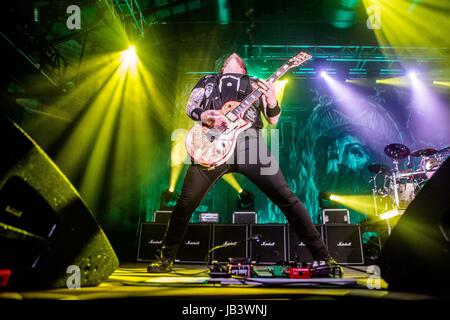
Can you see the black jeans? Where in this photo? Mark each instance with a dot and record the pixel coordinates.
(199, 180)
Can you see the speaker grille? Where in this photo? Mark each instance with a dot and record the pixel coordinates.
(271, 249)
(150, 240)
(196, 244)
(223, 233)
(297, 249)
(344, 243)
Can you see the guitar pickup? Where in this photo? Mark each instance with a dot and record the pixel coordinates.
(231, 116)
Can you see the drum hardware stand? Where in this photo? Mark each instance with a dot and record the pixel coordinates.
(374, 192)
(395, 184)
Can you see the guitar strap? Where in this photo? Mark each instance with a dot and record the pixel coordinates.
(212, 100)
(243, 90)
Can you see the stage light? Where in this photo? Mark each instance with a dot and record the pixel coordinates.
(334, 197)
(360, 203)
(246, 201)
(325, 202)
(389, 214)
(129, 58)
(323, 74)
(442, 83)
(403, 81)
(412, 75)
(395, 25)
(223, 12)
(168, 199)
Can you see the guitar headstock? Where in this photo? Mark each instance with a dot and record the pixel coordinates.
(298, 59)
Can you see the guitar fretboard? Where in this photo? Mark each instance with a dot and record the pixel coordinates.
(256, 94)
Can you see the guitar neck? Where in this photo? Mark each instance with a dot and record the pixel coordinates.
(256, 94)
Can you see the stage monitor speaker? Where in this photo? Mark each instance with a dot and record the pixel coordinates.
(48, 237)
(416, 256)
(298, 252)
(150, 240)
(162, 216)
(245, 217)
(196, 244)
(232, 234)
(344, 243)
(271, 248)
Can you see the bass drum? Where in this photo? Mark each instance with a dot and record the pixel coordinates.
(406, 192)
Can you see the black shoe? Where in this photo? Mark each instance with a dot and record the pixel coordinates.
(160, 265)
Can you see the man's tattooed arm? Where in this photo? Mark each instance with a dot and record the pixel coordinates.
(193, 108)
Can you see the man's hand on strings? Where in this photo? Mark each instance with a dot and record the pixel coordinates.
(214, 118)
(269, 93)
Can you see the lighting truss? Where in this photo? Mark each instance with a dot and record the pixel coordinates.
(131, 9)
(357, 61)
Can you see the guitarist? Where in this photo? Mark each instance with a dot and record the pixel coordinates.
(207, 97)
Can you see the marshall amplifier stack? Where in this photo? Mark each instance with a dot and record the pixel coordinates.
(262, 243)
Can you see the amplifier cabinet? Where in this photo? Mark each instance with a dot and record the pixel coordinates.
(234, 235)
(272, 246)
(162, 216)
(150, 240)
(298, 252)
(196, 244)
(344, 243)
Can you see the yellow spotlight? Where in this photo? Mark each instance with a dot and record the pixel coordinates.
(129, 59)
(359, 81)
(177, 157)
(130, 54)
(389, 214)
(231, 180)
(396, 81)
(442, 83)
(334, 197)
(360, 203)
(279, 88)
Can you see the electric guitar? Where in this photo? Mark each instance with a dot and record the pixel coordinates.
(211, 147)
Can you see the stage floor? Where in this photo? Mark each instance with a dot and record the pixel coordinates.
(131, 281)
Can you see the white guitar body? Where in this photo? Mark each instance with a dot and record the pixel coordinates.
(210, 147)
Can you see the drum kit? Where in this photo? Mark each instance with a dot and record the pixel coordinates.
(401, 186)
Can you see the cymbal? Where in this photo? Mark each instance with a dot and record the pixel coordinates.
(396, 151)
(446, 149)
(378, 168)
(424, 152)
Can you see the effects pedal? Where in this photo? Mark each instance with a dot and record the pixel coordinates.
(241, 267)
